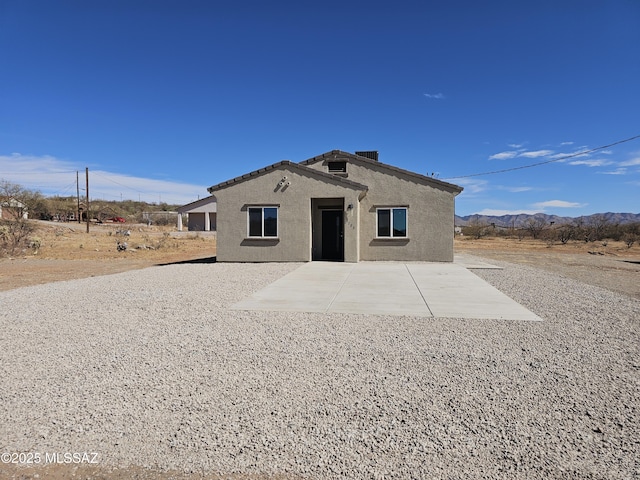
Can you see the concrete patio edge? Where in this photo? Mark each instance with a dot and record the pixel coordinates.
(440, 290)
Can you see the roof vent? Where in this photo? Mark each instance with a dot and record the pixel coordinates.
(372, 155)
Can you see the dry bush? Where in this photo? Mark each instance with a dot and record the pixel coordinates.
(629, 239)
(166, 242)
(476, 230)
(15, 237)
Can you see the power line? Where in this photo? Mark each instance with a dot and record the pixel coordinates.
(117, 183)
(65, 189)
(565, 157)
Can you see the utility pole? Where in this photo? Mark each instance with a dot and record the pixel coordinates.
(78, 194)
(87, 175)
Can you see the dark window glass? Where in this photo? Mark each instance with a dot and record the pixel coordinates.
(399, 222)
(255, 222)
(384, 223)
(270, 222)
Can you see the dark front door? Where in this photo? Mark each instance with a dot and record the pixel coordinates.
(332, 235)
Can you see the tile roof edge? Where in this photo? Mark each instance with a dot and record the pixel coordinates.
(441, 183)
(260, 171)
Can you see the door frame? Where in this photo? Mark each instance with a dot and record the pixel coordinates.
(317, 206)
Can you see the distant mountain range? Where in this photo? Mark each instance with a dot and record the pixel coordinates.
(521, 219)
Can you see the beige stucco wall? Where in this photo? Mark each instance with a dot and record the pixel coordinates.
(430, 214)
(294, 216)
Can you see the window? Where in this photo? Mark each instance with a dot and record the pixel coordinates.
(263, 221)
(392, 222)
(337, 167)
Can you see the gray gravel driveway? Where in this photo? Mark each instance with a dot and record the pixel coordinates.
(151, 368)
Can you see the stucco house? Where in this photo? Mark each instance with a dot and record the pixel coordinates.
(12, 209)
(336, 206)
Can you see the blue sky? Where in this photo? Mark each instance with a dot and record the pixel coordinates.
(161, 99)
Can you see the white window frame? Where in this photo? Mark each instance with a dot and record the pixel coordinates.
(262, 235)
(391, 209)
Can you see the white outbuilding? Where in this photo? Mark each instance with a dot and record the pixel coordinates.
(201, 215)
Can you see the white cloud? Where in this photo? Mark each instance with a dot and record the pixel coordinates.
(558, 204)
(591, 163)
(566, 143)
(503, 156)
(579, 153)
(53, 176)
(536, 153)
(472, 186)
(562, 155)
(617, 171)
(435, 96)
(513, 189)
(517, 189)
(499, 213)
(515, 145)
(630, 163)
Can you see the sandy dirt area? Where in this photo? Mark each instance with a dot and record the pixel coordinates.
(68, 252)
(610, 265)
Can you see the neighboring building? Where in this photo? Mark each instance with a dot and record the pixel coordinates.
(201, 215)
(336, 206)
(13, 209)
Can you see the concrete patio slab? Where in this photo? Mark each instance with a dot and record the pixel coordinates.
(446, 290)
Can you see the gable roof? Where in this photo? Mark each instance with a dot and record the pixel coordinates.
(197, 204)
(294, 166)
(340, 155)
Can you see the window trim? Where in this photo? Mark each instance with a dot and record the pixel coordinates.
(262, 235)
(391, 235)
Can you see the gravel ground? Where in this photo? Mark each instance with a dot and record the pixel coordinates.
(150, 368)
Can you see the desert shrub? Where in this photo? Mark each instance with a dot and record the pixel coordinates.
(566, 233)
(167, 241)
(630, 230)
(35, 243)
(535, 226)
(562, 234)
(476, 230)
(629, 239)
(502, 232)
(15, 236)
(549, 236)
(599, 225)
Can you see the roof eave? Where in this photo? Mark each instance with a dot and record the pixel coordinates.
(310, 171)
(455, 189)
